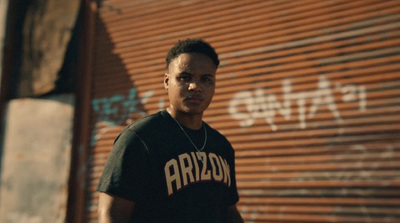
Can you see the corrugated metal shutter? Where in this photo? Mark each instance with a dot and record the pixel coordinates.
(307, 92)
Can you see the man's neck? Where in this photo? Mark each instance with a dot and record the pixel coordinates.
(188, 120)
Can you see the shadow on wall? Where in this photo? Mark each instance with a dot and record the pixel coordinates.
(114, 100)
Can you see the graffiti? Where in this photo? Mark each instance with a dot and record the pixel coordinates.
(265, 106)
(116, 110)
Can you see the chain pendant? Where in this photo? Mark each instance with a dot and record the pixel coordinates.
(201, 158)
(205, 138)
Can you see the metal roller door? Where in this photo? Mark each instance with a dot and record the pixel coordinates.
(308, 93)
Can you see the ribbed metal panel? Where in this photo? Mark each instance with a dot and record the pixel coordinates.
(307, 93)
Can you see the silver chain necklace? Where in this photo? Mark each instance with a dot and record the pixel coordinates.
(205, 138)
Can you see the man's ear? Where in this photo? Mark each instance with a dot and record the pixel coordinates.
(166, 80)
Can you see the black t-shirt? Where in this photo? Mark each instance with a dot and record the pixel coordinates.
(154, 164)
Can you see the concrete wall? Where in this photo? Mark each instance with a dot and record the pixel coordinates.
(46, 32)
(36, 160)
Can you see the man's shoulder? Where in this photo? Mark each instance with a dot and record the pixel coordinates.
(215, 133)
(149, 122)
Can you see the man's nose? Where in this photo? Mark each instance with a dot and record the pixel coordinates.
(194, 86)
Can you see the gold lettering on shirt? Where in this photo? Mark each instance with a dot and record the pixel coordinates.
(227, 171)
(214, 160)
(205, 173)
(186, 169)
(196, 165)
(175, 176)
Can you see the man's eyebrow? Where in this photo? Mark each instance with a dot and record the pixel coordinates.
(188, 73)
(212, 75)
(185, 72)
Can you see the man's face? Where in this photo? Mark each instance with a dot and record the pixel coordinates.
(190, 82)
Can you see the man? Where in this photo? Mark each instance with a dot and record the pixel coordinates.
(171, 166)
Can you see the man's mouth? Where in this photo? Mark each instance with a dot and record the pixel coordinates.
(194, 98)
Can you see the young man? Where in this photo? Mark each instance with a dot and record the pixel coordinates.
(171, 166)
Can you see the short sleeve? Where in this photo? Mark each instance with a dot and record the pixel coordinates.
(127, 168)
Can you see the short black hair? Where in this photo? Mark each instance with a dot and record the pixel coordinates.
(192, 46)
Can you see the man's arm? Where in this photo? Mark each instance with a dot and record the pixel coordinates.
(114, 209)
(233, 215)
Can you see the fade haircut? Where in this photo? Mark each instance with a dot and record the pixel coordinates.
(192, 46)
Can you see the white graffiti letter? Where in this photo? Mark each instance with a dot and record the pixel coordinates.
(323, 96)
(245, 98)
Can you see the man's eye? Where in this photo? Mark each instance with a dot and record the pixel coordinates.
(184, 78)
(206, 79)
